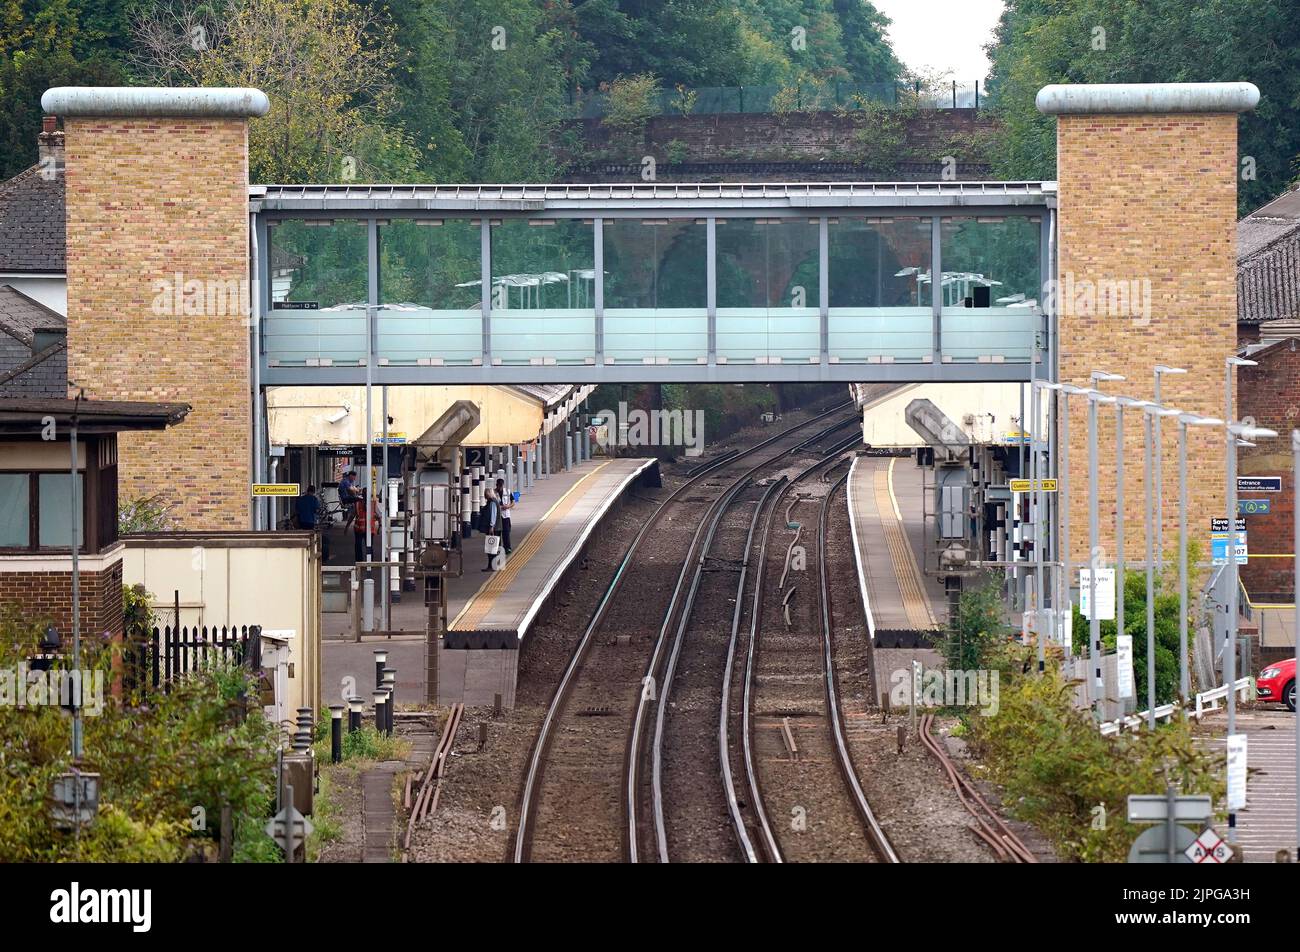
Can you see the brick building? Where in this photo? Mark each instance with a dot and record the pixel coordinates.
(36, 529)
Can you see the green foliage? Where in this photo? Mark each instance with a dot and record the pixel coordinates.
(1054, 41)
(979, 630)
(159, 758)
(633, 102)
(1135, 624)
(1057, 767)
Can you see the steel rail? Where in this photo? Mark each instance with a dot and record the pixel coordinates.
(875, 832)
(696, 554)
(537, 757)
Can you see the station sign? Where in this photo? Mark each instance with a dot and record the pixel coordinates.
(1254, 507)
(393, 437)
(1105, 594)
(1259, 484)
(1219, 542)
(276, 489)
(1030, 485)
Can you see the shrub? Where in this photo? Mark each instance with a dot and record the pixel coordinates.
(1057, 768)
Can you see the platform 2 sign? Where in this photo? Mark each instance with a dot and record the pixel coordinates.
(276, 489)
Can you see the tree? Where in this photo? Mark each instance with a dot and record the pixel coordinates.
(1144, 41)
(325, 64)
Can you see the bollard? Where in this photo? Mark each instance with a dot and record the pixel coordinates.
(390, 687)
(336, 733)
(902, 738)
(496, 705)
(482, 736)
(381, 659)
(379, 697)
(355, 708)
(368, 603)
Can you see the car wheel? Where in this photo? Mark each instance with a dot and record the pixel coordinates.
(1288, 692)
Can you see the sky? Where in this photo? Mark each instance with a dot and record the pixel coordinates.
(943, 35)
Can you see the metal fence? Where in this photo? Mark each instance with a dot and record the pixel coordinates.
(168, 654)
(712, 100)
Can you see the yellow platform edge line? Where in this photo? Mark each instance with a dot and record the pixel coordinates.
(529, 544)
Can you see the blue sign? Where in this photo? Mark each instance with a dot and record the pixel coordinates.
(1259, 484)
(1219, 548)
(1253, 507)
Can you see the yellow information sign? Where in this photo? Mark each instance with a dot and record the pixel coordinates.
(276, 489)
(1028, 485)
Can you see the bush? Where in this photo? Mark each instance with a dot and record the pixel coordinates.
(167, 762)
(633, 102)
(978, 633)
(1057, 768)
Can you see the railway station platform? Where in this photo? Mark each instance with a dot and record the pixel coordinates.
(490, 612)
(886, 517)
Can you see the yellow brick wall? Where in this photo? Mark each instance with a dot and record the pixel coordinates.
(149, 199)
(1149, 198)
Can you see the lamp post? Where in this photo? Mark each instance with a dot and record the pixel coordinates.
(1235, 431)
(1159, 371)
(1095, 397)
(1184, 421)
(1151, 413)
(1067, 391)
(1121, 404)
(1040, 543)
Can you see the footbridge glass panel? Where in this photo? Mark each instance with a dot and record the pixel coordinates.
(768, 290)
(879, 282)
(655, 291)
(318, 292)
(474, 284)
(430, 292)
(543, 299)
(991, 287)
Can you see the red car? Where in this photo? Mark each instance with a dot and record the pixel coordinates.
(1277, 683)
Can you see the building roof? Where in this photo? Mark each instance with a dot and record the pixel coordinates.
(1268, 262)
(32, 224)
(28, 416)
(22, 317)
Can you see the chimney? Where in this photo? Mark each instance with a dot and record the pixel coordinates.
(49, 143)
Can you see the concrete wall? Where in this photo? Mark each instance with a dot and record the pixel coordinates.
(1148, 198)
(154, 202)
(993, 410)
(272, 580)
(893, 144)
(299, 416)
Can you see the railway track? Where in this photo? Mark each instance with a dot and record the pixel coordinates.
(688, 805)
(596, 718)
(989, 826)
(793, 755)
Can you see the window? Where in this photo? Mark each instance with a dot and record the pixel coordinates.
(54, 522)
(47, 497)
(15, 510)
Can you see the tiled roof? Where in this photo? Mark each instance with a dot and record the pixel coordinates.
(1268, 262)
(32, 227)
(21, 316)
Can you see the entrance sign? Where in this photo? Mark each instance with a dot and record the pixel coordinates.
(277, 489)
(1259, 484)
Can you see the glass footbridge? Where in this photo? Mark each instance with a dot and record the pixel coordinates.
(484, 284)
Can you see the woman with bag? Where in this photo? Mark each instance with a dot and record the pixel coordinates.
(491, 529)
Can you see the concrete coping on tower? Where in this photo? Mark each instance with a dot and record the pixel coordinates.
(179, 102)
(1101, 98)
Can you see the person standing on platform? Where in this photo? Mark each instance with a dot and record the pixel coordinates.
(507, 503)
(492, 523)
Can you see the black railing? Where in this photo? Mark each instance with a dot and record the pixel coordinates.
(164, 655)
